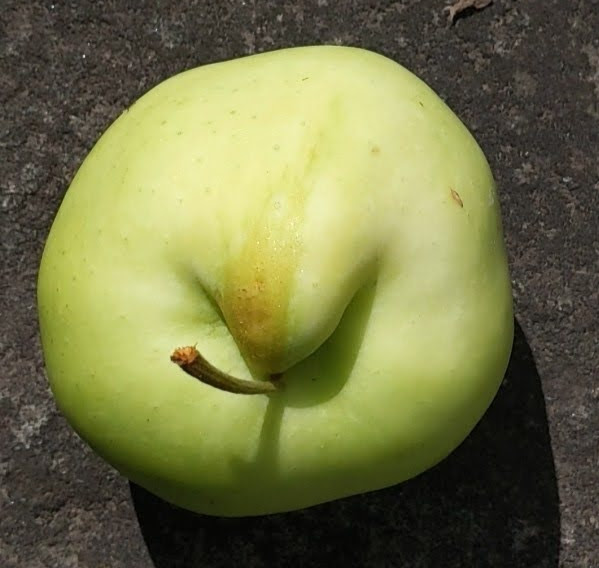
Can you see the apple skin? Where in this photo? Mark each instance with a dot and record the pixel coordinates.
(314, 211)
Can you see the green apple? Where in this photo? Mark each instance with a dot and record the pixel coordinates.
(320, 226)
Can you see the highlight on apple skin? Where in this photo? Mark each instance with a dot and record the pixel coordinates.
(278, 281)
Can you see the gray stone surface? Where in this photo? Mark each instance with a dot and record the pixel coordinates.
(523, 489)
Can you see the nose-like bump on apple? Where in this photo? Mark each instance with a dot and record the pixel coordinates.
(287, 289)
(257, 281)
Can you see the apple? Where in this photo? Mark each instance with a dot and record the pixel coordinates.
(278, 281)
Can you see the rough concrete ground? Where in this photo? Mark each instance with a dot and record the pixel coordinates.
(523, 489)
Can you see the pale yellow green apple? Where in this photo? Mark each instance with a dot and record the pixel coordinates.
(319, 225)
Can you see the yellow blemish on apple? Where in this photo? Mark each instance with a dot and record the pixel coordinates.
(258, 285)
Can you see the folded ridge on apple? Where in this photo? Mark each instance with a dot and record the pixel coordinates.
(312, 220)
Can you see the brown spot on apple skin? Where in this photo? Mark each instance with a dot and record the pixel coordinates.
(456, 197)
(375, 150)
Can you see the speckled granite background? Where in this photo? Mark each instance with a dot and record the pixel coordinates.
(523, 489)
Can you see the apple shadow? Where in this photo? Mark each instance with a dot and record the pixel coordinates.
(493, 502)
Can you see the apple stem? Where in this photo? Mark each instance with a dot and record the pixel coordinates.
(190, 360)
